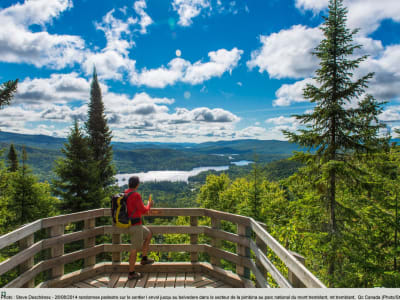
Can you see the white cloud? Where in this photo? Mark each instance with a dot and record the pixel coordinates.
(390, 114)
(18, 44)
(180, 70)
(314, 5)
(221, 61)
(57, 89)
(291, 93)
(281, 120)
(35, 11)
(287, 53)
(145, 20)
(364, 14)
(189, 9)
(161, 77)
(113, 61)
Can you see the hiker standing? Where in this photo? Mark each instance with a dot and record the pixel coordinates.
(140, 234)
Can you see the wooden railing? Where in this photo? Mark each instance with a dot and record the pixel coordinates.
(252, 245)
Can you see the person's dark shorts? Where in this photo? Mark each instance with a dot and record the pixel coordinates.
(138, 234)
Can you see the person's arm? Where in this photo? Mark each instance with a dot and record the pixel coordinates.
(141, 207)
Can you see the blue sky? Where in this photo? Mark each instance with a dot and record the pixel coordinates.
(182, 70)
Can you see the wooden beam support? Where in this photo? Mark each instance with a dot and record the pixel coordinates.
(243, 231)
(90, 242)
(116, 240)
(25, 243)
(57, 250)
(294, 280)
(288, 259)
(215, 242)
(194, 256)
(267, 265)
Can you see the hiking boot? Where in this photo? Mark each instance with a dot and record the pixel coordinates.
(146, 261)
(134, 275)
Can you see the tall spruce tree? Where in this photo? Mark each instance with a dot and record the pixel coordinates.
(100, 135)
(7, 91)
(12, 158)
(334, 130)
(77, 183)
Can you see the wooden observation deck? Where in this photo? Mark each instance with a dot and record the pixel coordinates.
(253, 245)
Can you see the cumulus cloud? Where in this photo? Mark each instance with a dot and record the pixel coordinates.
(180, 70)
(364, 14)
(58, 89)
(390, 114)
(291, 93)
(113, 61)
(287, 53)
(18, 44)
(281, 120)
(189, 9)
(145, 20)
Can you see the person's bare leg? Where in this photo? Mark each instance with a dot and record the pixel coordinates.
(146, 244)
(132, 260)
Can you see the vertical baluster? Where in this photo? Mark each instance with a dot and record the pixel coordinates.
(244, 231)
(261, 245)
(215, 224)
(26, 265)
(90, 242)
(57, 250)
(194, 256)
(296, 283)
(116, 240)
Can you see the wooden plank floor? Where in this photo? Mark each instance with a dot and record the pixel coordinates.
(152, 280)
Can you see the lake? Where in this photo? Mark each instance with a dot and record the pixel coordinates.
(173, 175)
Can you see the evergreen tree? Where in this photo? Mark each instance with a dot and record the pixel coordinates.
(100, 135)
(333, 130)
(7, 91)
(256, 178)
(29, 199)
(12, 159)
(77, 183)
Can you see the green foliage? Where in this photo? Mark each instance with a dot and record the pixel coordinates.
(12, 159)
(78, 180)
(23, 198)
(7, 91)
(100, 135)
(336, 132)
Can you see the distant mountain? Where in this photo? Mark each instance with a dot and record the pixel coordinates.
(41, 141)
(220, 147)
(49, 142)
(246, 147)
(140, 157)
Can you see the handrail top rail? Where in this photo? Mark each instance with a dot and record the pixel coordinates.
(296, 267)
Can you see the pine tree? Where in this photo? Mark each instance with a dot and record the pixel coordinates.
(77, 183)
(30, 200)
(100, 135)
(333, 130)
(12, 159)
(7, 91)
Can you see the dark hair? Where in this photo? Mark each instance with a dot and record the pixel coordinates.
(133, 182)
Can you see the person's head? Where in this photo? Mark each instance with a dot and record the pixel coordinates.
(133, 182)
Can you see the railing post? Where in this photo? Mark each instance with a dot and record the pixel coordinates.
(215, 224)
(194, 256)
(244, 231)
(293, 279)
(26, 265)
(90, 242)
(57, 250)
(264, 249)
(116, 240)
